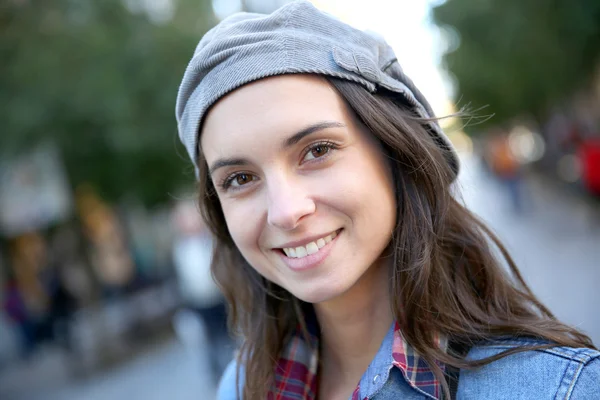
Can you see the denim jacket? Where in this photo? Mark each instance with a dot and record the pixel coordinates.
(557, 373)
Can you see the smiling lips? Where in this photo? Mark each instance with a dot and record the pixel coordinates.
(309, 248)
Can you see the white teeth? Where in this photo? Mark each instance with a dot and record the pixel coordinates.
(301, 252)
(310, 248)
(289, 252)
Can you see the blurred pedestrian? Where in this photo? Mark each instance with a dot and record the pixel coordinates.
(350, 269)
(507, 170)
(16, 309)
(589, 153)
(62, 309)
(192, 254)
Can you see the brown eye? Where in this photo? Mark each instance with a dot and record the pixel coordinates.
(319, 151)
(242, 179)
(236, 181)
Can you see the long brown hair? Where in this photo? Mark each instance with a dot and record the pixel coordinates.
(446, 279)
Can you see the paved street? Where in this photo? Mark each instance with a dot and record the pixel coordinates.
(556, 243)
(171, 370)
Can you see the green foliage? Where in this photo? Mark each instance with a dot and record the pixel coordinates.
(520, 57)
(100, 80)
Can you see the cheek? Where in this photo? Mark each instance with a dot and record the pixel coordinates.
(364, 188)
(245, 227)
(370, 202)
(243, 223)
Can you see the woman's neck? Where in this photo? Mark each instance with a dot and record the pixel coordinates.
(353, 327)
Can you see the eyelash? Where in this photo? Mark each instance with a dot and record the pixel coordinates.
(326, 143)
(225, 184)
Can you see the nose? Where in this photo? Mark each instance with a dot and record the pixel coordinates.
(288, 203)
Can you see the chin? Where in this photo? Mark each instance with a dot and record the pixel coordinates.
(316, 295)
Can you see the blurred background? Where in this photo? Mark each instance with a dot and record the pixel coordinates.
(104, 280)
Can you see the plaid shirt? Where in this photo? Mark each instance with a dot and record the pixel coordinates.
(296, 373)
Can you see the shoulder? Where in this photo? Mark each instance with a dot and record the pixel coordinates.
(558, 372)
(227, 389)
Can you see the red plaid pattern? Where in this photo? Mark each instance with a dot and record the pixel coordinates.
(296, 373)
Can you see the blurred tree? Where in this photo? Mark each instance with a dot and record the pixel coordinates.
(520, 57)
(100, 78)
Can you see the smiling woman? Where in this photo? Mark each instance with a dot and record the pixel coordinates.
(350, 269)
(305, 171)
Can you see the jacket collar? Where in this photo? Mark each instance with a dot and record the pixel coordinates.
(297, 368)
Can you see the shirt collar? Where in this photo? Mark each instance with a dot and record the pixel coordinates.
(297, 367)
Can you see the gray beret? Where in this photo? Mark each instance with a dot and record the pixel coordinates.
(296, 38)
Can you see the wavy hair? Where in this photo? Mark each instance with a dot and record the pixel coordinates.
(448, 275)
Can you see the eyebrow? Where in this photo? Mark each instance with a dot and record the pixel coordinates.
(292, 140)
(319, 126)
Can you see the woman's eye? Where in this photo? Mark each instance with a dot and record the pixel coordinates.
(236, 181)
(241, 179)
(317, 151)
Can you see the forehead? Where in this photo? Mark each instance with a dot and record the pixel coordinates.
(271, 107)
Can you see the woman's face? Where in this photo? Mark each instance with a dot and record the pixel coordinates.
(305, 188)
